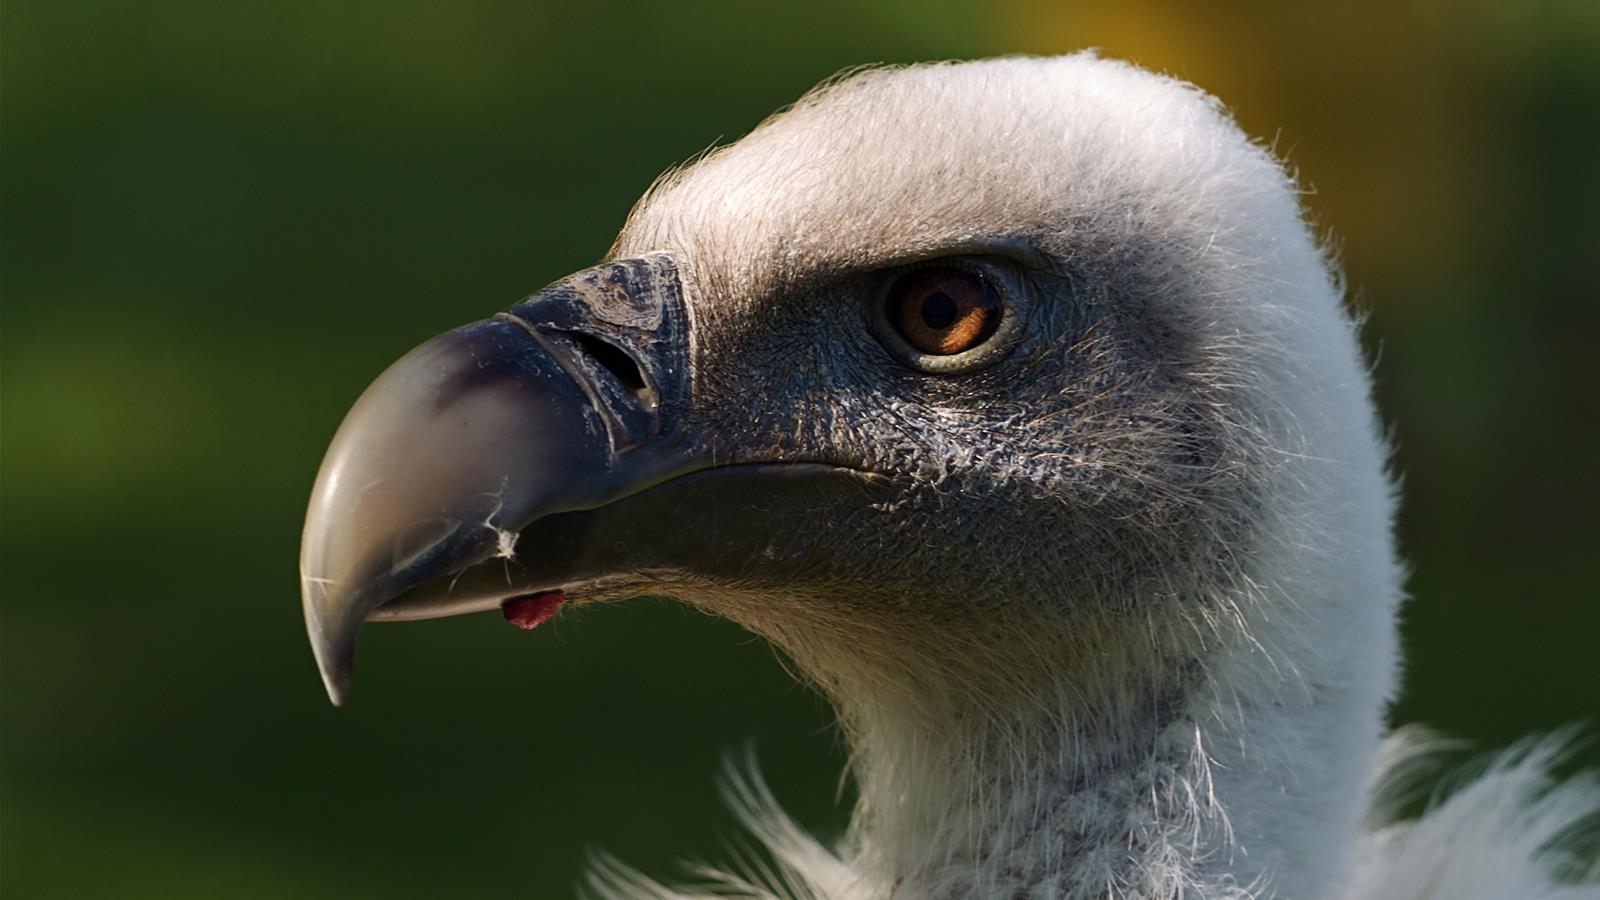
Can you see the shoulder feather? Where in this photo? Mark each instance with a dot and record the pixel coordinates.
(1509, 831)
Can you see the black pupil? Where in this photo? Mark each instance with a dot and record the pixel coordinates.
(939, 311)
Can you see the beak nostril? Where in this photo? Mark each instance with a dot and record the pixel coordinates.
(616, 361)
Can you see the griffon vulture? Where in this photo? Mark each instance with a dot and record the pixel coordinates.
(1016, 402)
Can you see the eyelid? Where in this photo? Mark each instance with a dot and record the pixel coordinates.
(1020, 252)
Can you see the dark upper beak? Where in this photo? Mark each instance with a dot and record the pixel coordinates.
(565, 402)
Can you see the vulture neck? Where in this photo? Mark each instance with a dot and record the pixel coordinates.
(1109, 759)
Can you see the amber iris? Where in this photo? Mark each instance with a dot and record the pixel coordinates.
(943, 312)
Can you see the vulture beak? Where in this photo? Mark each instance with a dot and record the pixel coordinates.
(489, 463)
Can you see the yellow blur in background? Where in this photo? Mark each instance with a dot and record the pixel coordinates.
(218, 221)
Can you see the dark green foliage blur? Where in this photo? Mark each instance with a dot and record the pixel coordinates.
(221, 220)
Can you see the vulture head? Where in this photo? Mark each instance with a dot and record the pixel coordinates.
(1017, 403)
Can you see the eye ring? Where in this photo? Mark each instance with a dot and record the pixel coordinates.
(947, 316)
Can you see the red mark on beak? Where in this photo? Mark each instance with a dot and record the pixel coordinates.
(532, 610)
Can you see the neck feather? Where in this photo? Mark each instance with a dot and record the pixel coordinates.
(1217, 752)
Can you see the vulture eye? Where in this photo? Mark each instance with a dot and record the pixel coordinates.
(942, 312)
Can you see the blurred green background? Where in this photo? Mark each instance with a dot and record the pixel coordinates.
(220, 220)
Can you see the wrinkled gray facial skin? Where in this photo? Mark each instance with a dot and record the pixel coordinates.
(1085, 434)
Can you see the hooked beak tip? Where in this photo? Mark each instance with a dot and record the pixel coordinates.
(337, 691)
(333, 643)
(334, 663)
